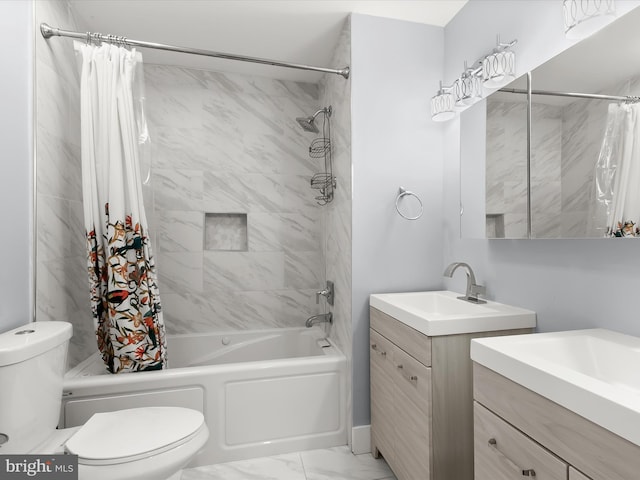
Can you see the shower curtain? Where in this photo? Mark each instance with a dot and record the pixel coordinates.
(123, 284)
(616, 210)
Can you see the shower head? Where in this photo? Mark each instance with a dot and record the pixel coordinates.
(307, 123)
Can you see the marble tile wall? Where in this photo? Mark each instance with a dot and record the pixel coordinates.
(229, 144)
(336, 91)
(506, 167)
(583, 123)
(546, 166)
(61, 279)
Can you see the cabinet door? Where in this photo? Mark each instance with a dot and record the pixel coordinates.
(412, 418)
(504, 453)
(576, 475)
(408, 339)
(382, 392)
(414, 380)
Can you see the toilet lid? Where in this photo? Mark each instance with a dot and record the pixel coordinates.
(127, 435)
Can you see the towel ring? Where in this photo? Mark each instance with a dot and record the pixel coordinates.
(403, 193)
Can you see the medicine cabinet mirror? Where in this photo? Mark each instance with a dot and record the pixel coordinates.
(503, 195)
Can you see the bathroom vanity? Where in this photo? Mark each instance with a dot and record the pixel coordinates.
(559, 406)
(421, 379)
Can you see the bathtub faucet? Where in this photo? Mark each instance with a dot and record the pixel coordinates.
(323, 317)
(328, 293)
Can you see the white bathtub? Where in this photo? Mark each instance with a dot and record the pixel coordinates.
(262, 392)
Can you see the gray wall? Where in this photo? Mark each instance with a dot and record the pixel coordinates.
(16, 83)
(394, 143)
(569, 283)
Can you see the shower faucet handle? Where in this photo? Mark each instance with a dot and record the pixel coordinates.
(328, 293)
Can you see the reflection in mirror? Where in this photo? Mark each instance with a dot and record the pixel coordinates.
(573, 164)
(506, 165)
(566, 141)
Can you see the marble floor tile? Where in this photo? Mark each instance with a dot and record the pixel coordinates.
(279, 467)
(332, 463)
(340, 464)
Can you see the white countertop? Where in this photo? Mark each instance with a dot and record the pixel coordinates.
(437, 313)
(594, 373)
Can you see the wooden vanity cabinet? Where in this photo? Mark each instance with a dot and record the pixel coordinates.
(503, 452)
(400, 407)
(421, 400)
(576, 475)
(542, 436)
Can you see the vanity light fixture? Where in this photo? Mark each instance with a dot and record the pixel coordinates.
(442, 104)
(493, 70)
(584, 17)
(467, 89)
(499, 67)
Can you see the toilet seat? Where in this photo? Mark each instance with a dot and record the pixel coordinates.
(128, 435)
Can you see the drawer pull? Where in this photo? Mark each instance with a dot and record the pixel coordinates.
(411, 378)
(529, 472)
(374, 347)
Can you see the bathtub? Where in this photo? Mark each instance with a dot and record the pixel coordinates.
(262, 392)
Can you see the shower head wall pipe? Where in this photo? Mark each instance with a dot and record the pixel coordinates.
(307, 122)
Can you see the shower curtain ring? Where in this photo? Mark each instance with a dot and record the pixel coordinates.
(88, 38)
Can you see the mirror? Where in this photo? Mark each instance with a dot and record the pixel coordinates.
(566, 138)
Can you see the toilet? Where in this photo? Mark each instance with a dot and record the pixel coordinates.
(151, 443)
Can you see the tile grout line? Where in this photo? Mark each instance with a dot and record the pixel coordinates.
(304, 470)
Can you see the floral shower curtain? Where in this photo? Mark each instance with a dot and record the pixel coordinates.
(124, 294)
(616, 211)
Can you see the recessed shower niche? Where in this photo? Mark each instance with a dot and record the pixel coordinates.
(225, 231)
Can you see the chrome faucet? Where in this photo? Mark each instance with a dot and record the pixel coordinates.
(473, 290)
(322, 318)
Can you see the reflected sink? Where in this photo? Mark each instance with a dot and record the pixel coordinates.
(442, 313)
(594, 373)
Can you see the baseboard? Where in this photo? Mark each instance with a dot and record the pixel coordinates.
(361, 439)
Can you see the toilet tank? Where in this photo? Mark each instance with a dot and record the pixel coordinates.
(32, 365)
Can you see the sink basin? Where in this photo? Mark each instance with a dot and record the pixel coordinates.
(442, 313)
(594, 373)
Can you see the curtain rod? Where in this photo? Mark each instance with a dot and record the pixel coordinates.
(48, 31)
(592, 96)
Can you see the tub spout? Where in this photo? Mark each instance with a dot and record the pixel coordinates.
(323, 317)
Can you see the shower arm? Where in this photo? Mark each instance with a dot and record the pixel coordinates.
(326, 110)
(48, 32)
